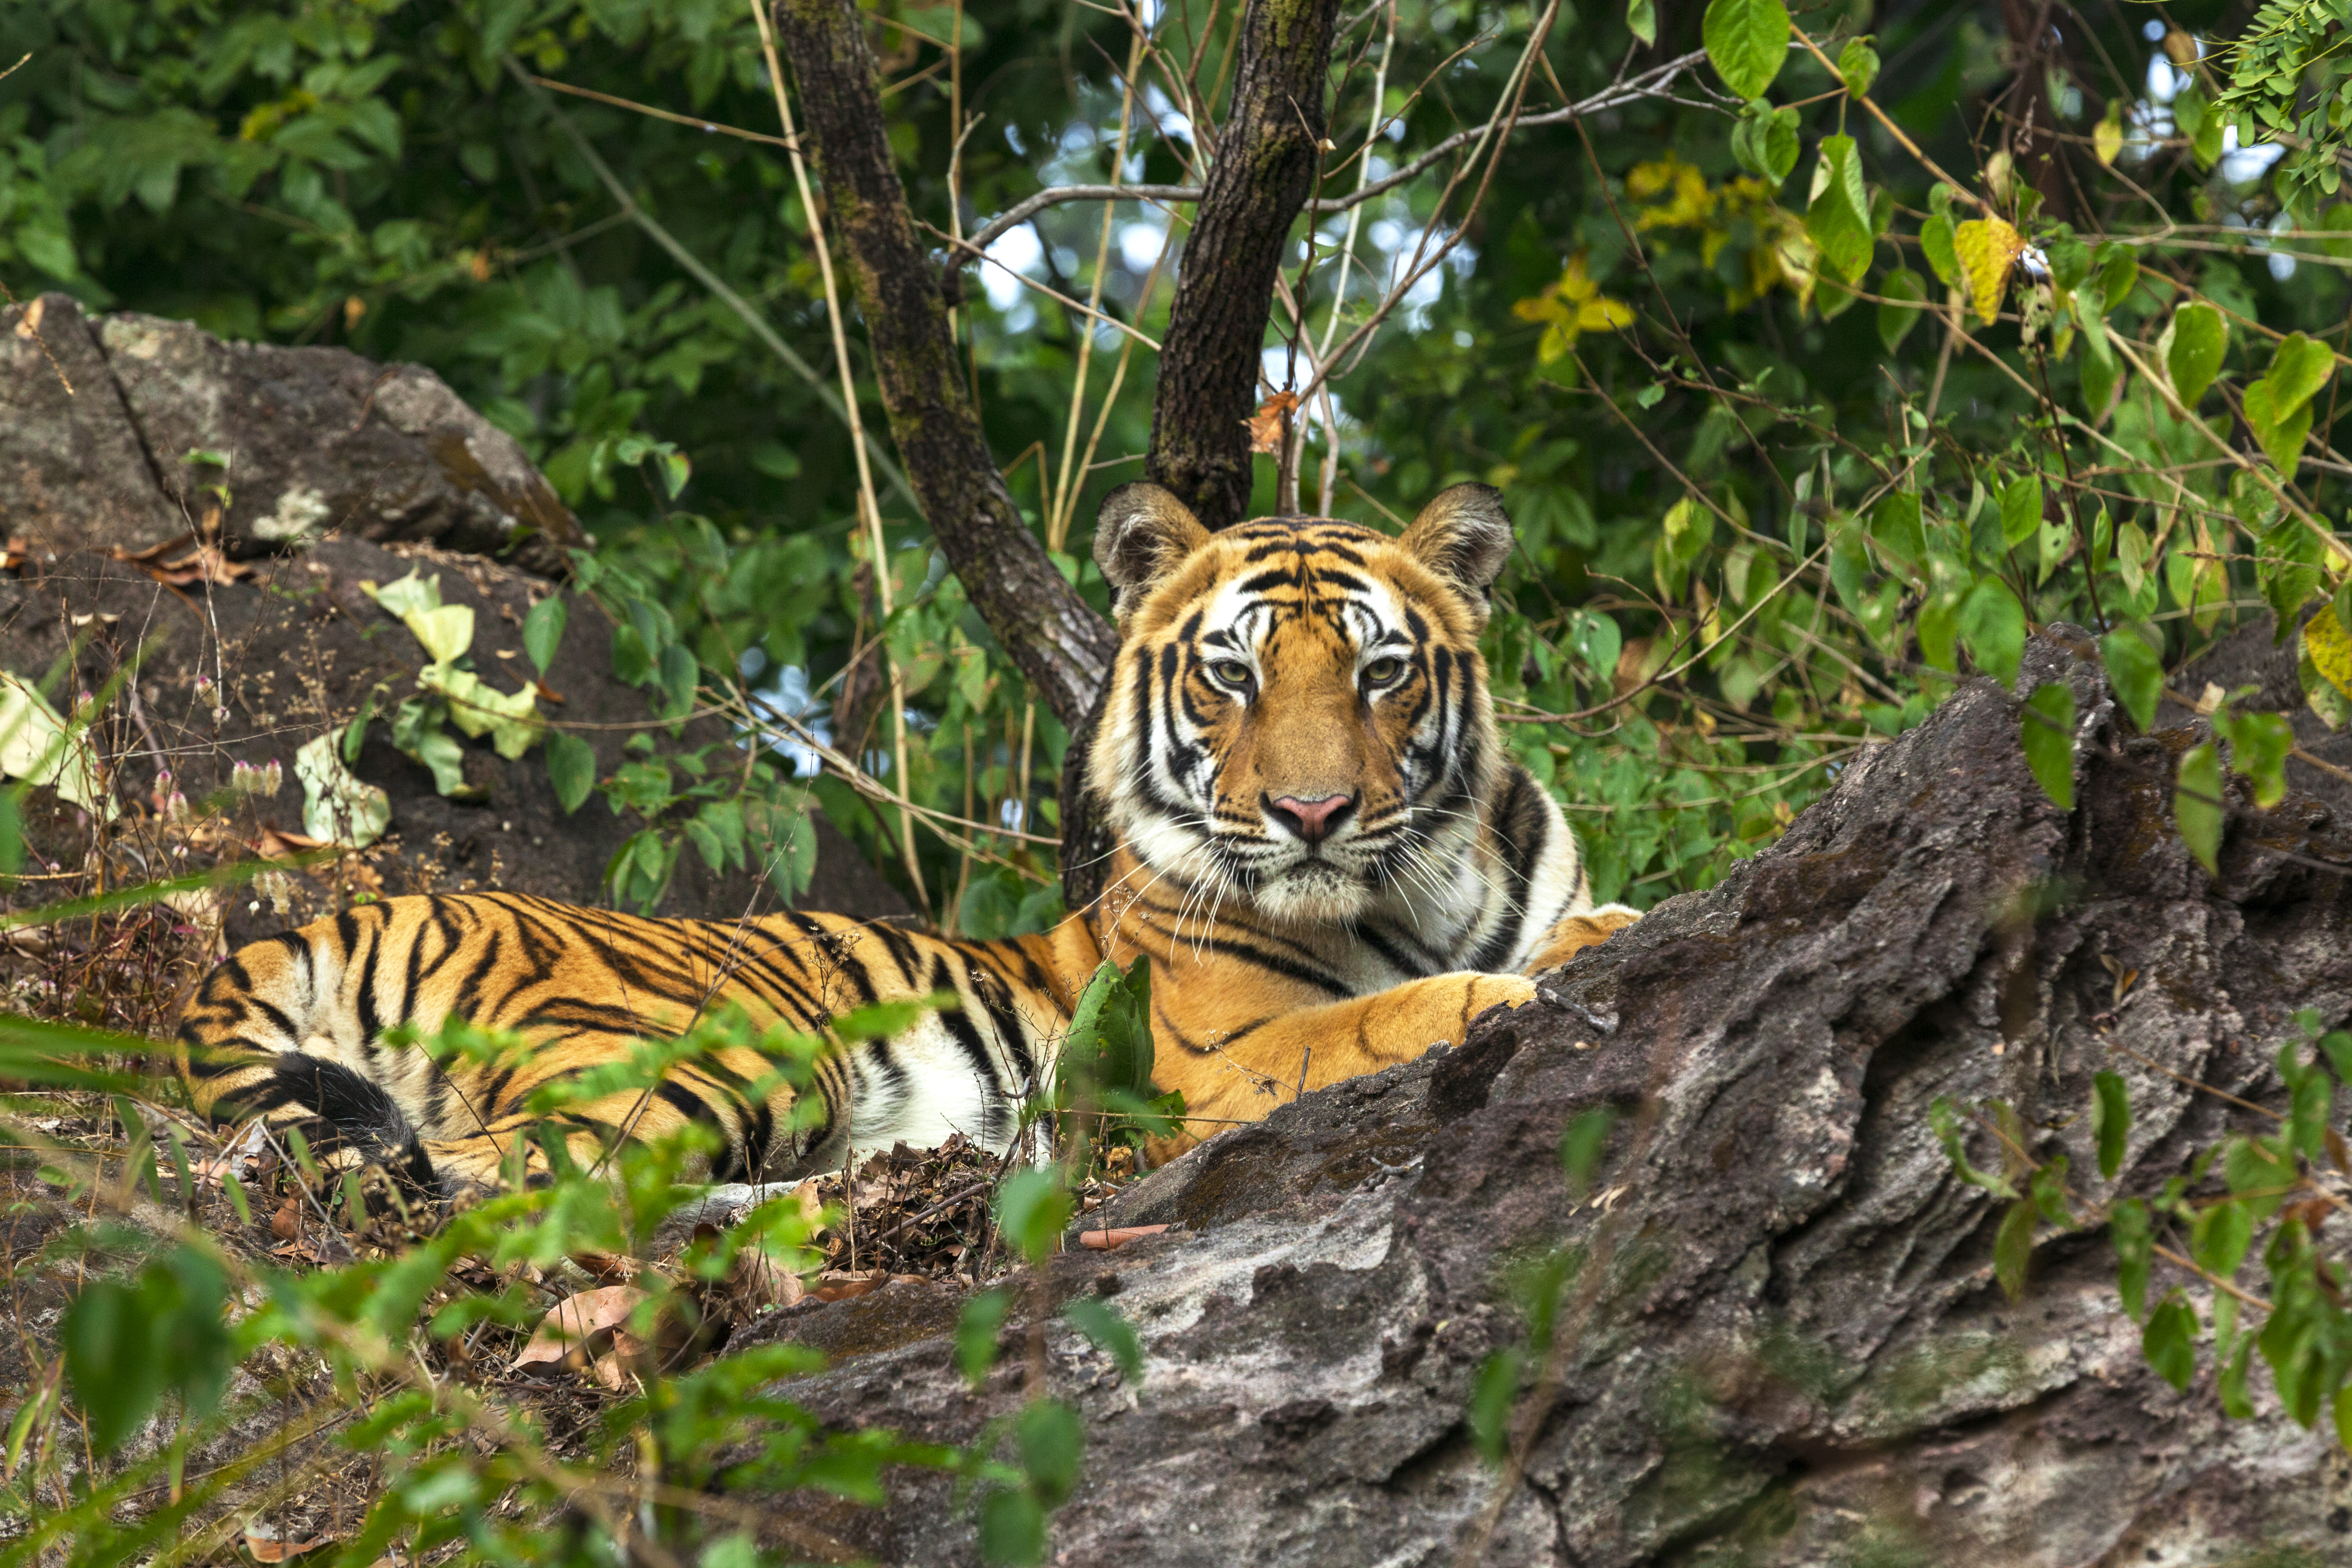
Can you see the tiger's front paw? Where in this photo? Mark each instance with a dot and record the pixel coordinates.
(1574, 933)
(1496, 991)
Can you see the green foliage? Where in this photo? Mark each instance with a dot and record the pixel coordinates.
(155, 1337)
(1745, 42)
(2049, 741)
(1032, 1208)
(1102, 1077)
(1581, 1146)
(2197, 802)
(2273, 1185)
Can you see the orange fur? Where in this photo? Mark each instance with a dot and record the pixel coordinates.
(1324, 851)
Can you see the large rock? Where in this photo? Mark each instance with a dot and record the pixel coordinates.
(103, 418)
(343, 472)
(1789, 1346)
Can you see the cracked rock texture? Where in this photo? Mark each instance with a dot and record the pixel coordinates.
(1795, 1351)
(341, 472)
(103, 415)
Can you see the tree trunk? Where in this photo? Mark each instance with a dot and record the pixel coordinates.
(1263, 172)
(1058, 641)
(1792, 1348)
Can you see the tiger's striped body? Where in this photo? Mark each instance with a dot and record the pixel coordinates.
(1322, 850)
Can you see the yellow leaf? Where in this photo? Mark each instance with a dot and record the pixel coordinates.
(1603, 314)
(2107, 136)
(1987, 248)
(2329, 650)
(446, 632)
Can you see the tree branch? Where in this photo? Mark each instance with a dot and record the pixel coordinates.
(1261, 176)
(1651, 83)
(1060, 644)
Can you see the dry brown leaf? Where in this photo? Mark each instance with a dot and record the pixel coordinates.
(277, 844)
(608, 1270)
(205, 563)
(840, 1285)
(286, 1225)
(1117, 1236)
(758, 1280)
(578, 1328)
(1266, 425)
(30, 321)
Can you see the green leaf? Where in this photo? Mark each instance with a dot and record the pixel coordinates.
(1110, 1331)
(2049, 737)
(1747, 40)
(2170, 1342)
(1944, 1120)
(2013, 1246)
(2259, 745)
(2197, 802)
(2110, 1120)
(1858, 67)
(2288, 567)
(1011, 1529)
(542, 631)
(1895, 525)
(110, 1335)
(1993, 625)
(1031, 1207)
(2129, 1229)
(2118, 274)
(1838, 220)
(679, 676)
(1581, 1146)
(1894, 323)
(2020, 510)
(2314, 1106)
(2049, 1193)
(2282, 436)
(2232, 1386)
(1051, 1442)
(1935, 243)
(1492, 1397)
(2198, 337)
(409, 594)
(975, 1333)
(1765, 142)
(2219, 1238)
(2300, 366)
(2101, 371)
(2136, 673)
(571, 768)
(1642, 19)
(416, 731)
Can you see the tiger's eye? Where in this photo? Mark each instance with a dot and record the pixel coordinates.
(1381, 671)
(1230, 672)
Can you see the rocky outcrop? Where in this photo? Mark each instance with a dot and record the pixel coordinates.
(338, 472)
(1787, 1343)
(119, 428)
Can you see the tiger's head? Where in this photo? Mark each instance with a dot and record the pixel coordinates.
(1299, 713)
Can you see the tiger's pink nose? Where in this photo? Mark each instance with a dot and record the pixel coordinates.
(1312, 820)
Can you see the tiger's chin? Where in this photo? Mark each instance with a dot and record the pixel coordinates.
(1314, 892)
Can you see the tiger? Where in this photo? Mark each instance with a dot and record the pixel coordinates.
(1320, 845)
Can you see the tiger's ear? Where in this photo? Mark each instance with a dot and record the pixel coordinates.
(1464, 536)
(1143, 533)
